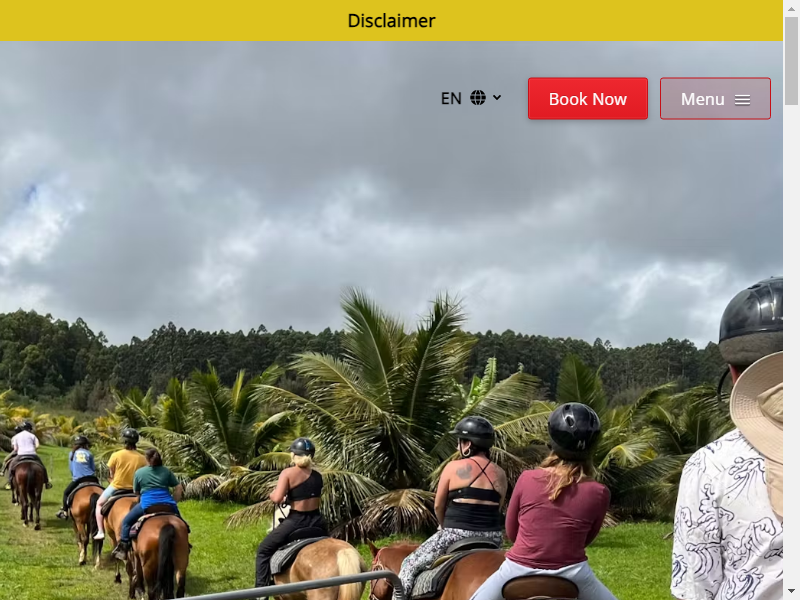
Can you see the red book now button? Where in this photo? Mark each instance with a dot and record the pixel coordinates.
(587, 98)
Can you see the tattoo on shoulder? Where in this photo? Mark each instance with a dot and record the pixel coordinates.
(464, 471)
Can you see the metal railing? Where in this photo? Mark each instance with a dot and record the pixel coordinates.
(302, 586)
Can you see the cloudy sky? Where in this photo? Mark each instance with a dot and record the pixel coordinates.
(224, 185)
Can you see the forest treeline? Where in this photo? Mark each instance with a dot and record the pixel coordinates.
(60, 363)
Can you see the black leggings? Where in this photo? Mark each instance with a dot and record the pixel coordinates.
(75, 483)
(280, 537)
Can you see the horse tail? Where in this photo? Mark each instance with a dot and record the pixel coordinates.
(97, 545)
(350, 562)
(165, 582)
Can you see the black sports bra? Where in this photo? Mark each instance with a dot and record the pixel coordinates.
(310, 488)
(471, 493)
(474, 517)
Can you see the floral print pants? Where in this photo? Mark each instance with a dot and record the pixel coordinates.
(435, 546)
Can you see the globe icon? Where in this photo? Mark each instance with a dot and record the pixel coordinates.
(477, 97)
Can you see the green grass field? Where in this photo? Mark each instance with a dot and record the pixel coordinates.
(632, 560)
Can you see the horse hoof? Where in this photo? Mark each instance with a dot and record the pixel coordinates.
(37, 528)
(118, 578)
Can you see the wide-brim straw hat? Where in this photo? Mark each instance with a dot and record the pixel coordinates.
(752, 410)
(757, 410)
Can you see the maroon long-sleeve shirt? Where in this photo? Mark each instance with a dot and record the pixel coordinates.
(552, 535)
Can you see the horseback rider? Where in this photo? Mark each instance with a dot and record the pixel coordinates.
(299, 486)
(24, 445)
(122, 466)
(152, 483)
(81, 465)
(557, 510)
(468, 499)
(9, 457)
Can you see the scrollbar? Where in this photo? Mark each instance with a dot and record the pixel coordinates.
(790, 61)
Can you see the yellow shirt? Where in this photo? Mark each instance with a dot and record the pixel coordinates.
(125, 463)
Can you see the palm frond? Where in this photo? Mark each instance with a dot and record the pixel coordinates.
(435, 358)
(579, 383)
(373, 343)
(185, 452)
(203, 487)
(406, 510)
(215, 403)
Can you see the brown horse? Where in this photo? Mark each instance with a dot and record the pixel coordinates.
(113, 524)
(323, 559)
(26, 488)
(467, 576)
(160, 557)
(82, 510)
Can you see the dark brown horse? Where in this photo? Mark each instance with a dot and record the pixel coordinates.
(159, 558)
(467, 576)
(82, 510)
(26, 488)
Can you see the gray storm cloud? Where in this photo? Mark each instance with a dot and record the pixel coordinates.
(224, 185)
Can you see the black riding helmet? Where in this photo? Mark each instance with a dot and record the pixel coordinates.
(477, 430)
(27, 426)
(80, 440)
(130, 435)
(757, 312)
(303, 447)
(758, 309)
(574, 429)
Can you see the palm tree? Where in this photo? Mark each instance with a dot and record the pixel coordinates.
(135, 409)
(381, 414)
(206, 430)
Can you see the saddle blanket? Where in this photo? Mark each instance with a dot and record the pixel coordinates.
(430, 583)
(285, 555)
(110, 502)
(19, 460)
(85, 484)
(137, 527)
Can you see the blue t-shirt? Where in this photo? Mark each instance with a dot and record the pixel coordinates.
(81, 464)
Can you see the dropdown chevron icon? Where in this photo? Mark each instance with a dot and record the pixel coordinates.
(791, 590)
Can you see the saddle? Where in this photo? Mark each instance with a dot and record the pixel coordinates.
(85, 484)
(117, 495)
(25, 458)
(285, 555)
(430, 583)
(137, 527)
(540, 587)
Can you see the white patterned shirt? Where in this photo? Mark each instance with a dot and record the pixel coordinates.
(728, 542)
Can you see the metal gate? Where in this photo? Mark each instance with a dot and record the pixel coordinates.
(291, 588)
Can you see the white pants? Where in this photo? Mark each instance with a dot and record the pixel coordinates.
(589, 586)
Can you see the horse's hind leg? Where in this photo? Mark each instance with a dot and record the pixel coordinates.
(132, 578)
(37, 505)
(83, 539)
(23, 502)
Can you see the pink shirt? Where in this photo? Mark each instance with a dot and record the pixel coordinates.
(552, 535)
(25, 443)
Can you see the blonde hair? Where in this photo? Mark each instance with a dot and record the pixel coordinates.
(301, 461)
(563, 473)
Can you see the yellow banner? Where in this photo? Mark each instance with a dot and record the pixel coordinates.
(443, 20)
